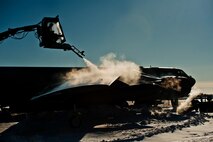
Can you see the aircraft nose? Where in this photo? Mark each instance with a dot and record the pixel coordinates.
(192, 81)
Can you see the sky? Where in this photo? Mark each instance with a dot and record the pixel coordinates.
(168, 33)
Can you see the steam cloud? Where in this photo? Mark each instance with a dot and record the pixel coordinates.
(110, 69)
(184, 106)
(172, 83)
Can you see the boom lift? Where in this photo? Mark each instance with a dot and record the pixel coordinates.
(48, 31)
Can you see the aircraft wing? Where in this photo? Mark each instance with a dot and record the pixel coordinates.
(65, 95)
(67, 85)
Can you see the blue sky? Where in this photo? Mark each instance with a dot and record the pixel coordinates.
(171, 33)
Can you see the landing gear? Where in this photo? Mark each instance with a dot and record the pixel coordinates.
(75, 120)
(174, 103)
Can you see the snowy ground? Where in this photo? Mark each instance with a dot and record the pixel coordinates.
(200, 133)
(124, 126)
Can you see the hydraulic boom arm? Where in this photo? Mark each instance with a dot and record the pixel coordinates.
(48, 31)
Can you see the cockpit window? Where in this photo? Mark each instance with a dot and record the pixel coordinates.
(159, 72)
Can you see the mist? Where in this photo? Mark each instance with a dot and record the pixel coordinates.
(110, 68)
(184, 106)
(171, 83)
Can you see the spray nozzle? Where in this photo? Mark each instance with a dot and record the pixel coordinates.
(77, 51)
(67, 47)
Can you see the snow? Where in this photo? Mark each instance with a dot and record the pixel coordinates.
(201, 133)
(123, 126)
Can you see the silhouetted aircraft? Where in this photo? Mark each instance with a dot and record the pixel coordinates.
(28, 89)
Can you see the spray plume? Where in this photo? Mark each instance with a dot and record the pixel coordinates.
(109, 69)
(184, 106)
(171, 83)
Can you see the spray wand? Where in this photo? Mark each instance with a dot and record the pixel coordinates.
(77, 51)
(67, 47)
